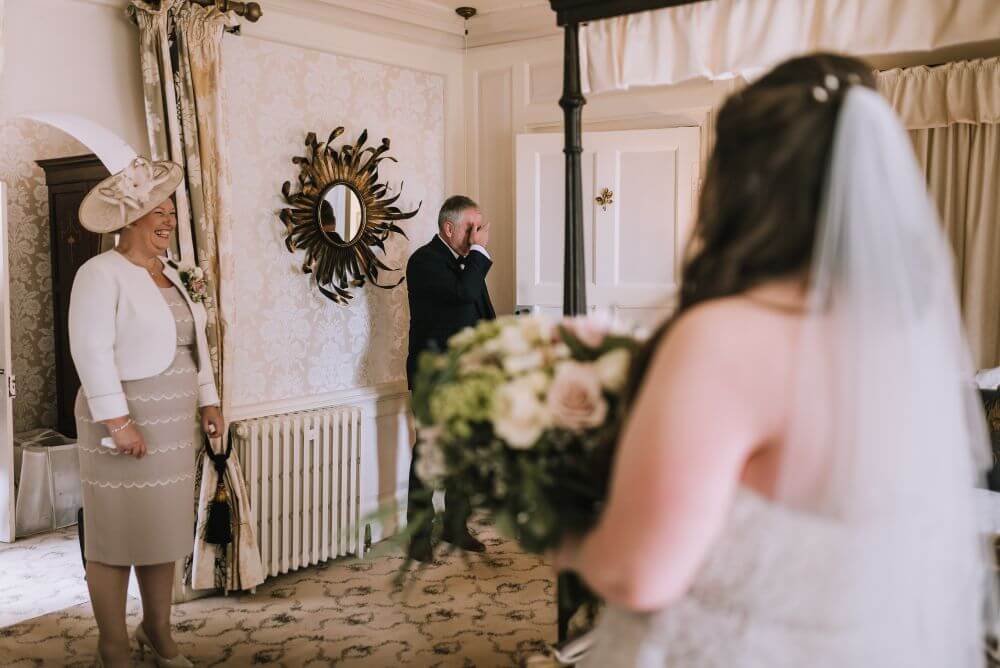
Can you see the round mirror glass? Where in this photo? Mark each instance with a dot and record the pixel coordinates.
(341, 216)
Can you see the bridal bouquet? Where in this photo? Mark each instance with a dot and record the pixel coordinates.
(520, 416)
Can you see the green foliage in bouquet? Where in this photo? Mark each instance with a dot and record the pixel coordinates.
(520, 416)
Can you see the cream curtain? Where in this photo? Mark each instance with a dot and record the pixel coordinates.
(720, 39)
(953, 114)
(180, 53)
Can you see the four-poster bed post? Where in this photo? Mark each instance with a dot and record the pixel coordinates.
(569, 15)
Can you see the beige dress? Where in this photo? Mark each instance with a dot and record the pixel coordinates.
(141, 511)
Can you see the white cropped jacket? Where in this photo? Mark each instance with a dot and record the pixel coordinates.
(120, 328)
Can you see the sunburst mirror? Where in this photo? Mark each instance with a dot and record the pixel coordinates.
(342, 214)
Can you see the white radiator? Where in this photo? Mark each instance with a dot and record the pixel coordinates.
(303, 475)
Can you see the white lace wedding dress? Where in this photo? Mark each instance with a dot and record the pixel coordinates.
(887, 567)
(749, 605)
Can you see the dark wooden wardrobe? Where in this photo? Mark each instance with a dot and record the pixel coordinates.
(68, 181)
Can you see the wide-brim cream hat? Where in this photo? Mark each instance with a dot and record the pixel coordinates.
(129, 195)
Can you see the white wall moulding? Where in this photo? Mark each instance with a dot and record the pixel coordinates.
(3, 11)
(494, 164)
(545, 82)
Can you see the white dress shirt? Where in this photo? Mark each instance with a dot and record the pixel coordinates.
(473, 247)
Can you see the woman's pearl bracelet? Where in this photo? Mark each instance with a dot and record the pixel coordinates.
(122, 427)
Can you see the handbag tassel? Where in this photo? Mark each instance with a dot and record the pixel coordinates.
(218, 525)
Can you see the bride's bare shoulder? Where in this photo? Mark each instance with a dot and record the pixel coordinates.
(733, 329)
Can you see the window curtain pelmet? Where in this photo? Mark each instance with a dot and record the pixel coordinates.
(936, 97)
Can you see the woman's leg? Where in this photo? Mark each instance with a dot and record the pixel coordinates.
(108, 587)
(156, 584)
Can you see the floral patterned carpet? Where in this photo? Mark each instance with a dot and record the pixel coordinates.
(344, 613)
(40, 574)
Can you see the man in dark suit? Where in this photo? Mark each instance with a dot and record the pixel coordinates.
(447, 292)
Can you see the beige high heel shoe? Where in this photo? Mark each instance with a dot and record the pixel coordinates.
(179, 661)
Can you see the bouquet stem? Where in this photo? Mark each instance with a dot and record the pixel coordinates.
(573, 596)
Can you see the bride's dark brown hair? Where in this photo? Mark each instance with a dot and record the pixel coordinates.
(761, 196)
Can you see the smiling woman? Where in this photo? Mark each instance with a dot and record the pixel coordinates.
(138, 342)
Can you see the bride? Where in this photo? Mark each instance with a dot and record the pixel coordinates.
(794, 486)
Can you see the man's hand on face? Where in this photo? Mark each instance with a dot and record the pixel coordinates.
(467, 239)
(480, 235)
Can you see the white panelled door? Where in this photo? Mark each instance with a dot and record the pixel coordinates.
(633, 238)
(6, 385)
(541, 228)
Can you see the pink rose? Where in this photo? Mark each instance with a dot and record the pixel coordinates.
(575, 401)
(589, 330)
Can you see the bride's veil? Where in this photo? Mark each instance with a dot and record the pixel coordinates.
(885, 415)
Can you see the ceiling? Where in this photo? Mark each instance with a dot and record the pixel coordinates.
(431, 21)
(485, 6)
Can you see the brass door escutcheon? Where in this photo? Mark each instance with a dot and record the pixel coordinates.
(606, 197)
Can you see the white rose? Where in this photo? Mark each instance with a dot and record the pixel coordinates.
(198, 274)
(612, 369)
(431, 465)
(519, 418)
(517, 364)
(463, 338)
(513, 341)
(575, 400)
(537, 328)
(471, 362)
(559, 351)
(538, 381)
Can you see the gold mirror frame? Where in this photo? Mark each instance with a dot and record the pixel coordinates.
(338, 267)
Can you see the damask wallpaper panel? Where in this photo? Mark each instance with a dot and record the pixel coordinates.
(285, 339)
(32, 344)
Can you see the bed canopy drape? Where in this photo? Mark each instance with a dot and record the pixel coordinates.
(721, 39)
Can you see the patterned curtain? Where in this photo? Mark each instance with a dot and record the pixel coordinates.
(180, 45)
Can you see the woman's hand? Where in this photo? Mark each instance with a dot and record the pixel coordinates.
(129, 440)
(211, 421)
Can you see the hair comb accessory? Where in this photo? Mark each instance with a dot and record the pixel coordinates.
(831, 82)
(821, 94)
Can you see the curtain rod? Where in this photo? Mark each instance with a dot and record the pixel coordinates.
(248, 10)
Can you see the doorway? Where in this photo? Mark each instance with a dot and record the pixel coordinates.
(29, 351)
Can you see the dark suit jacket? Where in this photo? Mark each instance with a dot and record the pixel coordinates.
(444, 297)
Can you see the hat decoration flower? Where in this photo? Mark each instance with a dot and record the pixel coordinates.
(135, 185)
